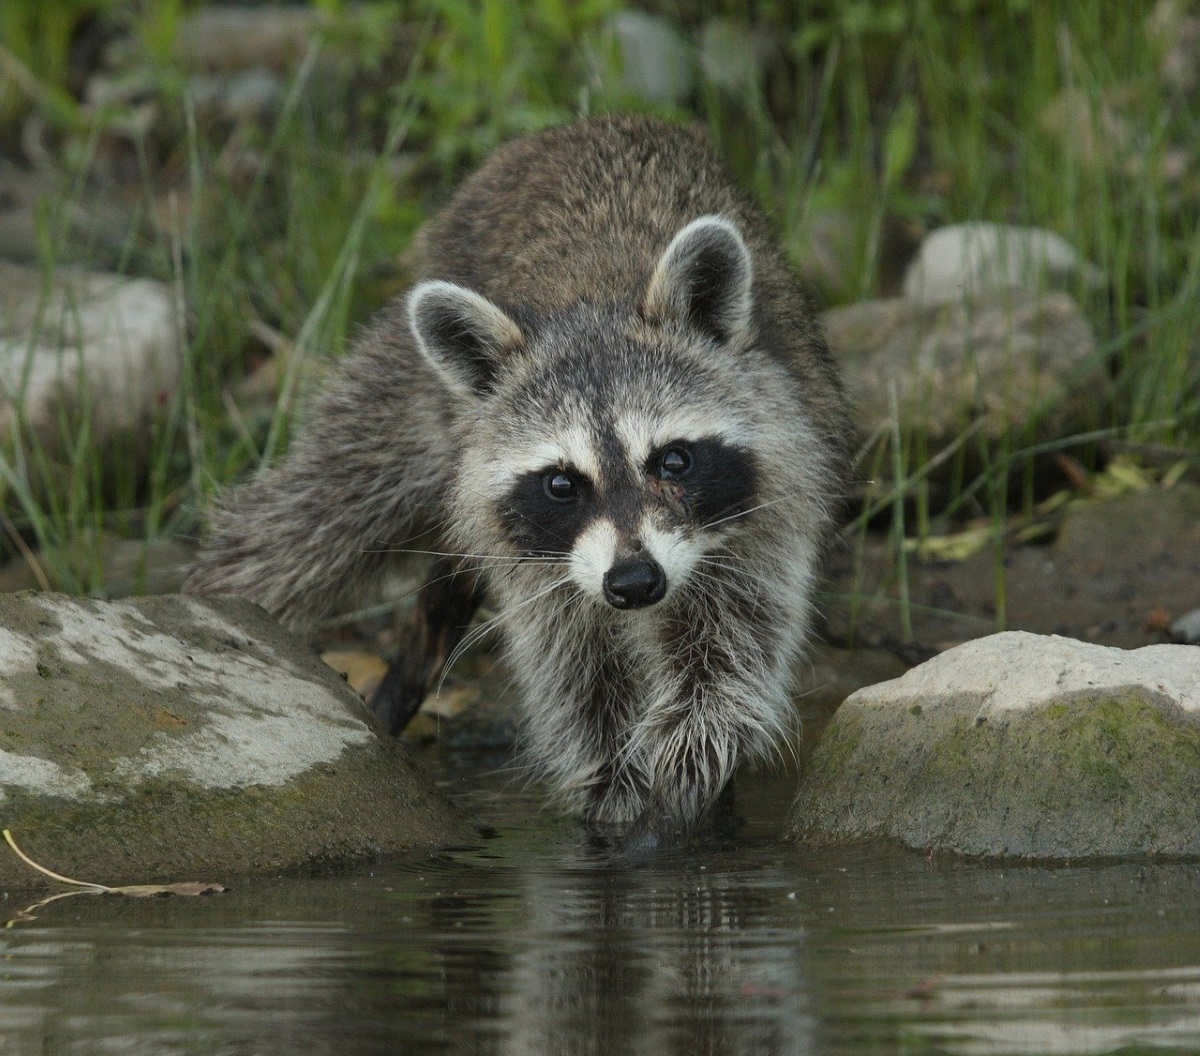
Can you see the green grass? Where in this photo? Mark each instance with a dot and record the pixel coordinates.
(281, 237)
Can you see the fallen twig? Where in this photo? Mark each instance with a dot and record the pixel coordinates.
(86, 887)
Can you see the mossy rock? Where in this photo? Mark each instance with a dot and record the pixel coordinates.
(160, 739)
(1017, 745)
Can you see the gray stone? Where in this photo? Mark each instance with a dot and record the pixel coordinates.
(655, 61)
(93, 340)
(1017, 745)
(1187, 627)
(127, 88)
(253, 95)
(965, 260)
(169, 737)
(248, 95)
(1004, 358)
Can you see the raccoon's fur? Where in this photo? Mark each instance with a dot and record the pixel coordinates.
(608, 408)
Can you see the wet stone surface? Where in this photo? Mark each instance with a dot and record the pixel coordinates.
(141, 740)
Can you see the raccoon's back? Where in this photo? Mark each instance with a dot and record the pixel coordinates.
(580, 212)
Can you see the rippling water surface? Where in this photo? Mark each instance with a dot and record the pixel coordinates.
(526, 944)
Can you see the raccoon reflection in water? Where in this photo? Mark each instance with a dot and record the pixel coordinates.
(607, 408)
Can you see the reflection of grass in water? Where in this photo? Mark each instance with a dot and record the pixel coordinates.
(899, 119)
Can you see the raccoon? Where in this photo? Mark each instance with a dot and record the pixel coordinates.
(607, 408)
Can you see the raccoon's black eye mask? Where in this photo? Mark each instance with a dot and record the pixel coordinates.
(544, 510)
(713, 481)
(719, 479)
(674, 463)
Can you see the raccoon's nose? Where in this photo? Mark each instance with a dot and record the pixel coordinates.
(635, 583)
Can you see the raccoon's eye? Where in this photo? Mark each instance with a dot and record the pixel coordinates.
(675, 462)
(560, 486)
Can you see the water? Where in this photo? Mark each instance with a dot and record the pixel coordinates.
(527, 945)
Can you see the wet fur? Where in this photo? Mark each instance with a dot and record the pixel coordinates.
(578, 349)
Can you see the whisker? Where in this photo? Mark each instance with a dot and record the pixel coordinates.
(395, 602)
(697, 574)
(744, 513)
(490, 624)
(707, 559)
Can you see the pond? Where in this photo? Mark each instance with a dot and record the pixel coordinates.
(527, 943)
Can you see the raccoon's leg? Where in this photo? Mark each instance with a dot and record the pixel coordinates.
(579, 693)
(364, 476)
(447, 602)
(724, 696)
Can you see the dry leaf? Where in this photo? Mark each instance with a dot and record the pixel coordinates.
(364, 671)
(956, 546)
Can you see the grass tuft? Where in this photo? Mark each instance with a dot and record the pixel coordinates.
(279, 234)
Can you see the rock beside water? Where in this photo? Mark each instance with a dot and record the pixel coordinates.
(1017, 745)
(175, 738)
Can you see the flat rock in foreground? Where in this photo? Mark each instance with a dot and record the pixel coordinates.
(1017, 745)
(178, 738)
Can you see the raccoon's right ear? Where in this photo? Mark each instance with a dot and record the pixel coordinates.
(463, 335)
(704, 278)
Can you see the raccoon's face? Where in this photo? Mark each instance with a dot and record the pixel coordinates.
(631, 501)
(610, 438)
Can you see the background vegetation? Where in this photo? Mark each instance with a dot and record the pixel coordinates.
(282, 232)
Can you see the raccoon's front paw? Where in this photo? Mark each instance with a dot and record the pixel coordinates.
(653, 832)
(662, 826)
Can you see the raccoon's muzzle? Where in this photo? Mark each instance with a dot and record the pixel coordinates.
(635, 583)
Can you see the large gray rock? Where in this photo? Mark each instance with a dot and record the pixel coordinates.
(176, 738)
(104, 342)
(1017, 745)
(966, 260)
(1006, 359)
(655, 60)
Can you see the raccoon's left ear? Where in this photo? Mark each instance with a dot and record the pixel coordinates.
(463, 335)
(704, 278)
